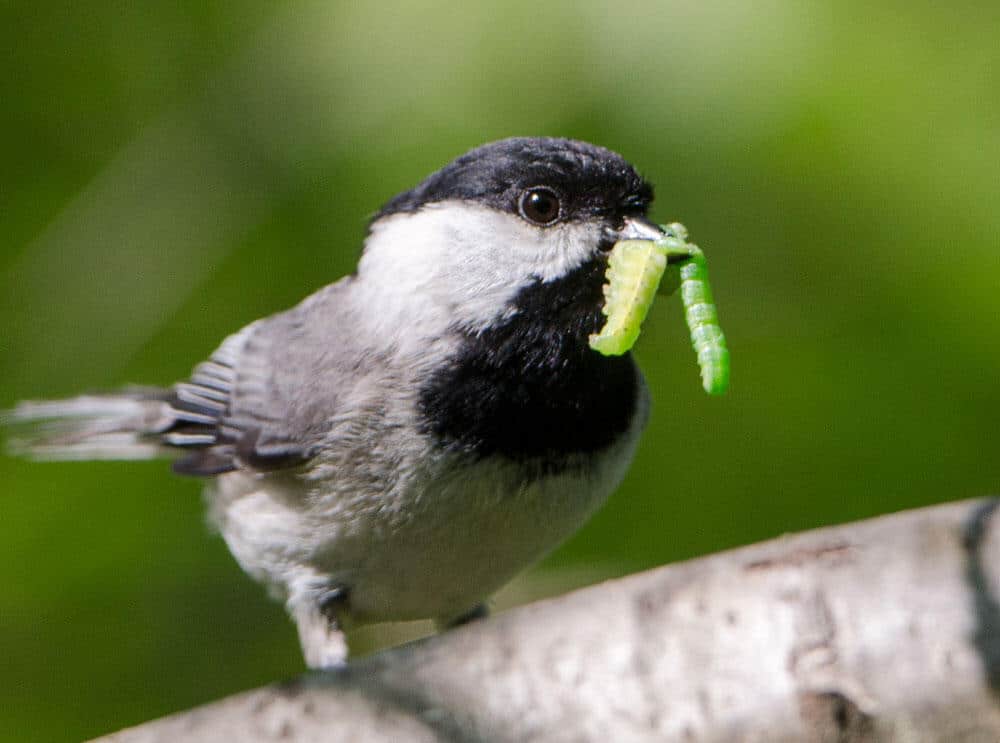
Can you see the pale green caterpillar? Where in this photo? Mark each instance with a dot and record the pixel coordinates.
(635, 268)
(634, 271)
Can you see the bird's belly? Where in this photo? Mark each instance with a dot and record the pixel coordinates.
(436, 544)
(479, 532)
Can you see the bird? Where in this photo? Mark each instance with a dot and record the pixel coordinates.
(408, 438)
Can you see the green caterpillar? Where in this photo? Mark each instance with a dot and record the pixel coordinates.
(634, 271)
(635, 268)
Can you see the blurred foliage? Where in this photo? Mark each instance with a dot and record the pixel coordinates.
(173, 171)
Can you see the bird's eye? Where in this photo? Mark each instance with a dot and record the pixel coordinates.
(540, 206)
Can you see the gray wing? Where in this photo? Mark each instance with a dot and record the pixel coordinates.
(264, 399)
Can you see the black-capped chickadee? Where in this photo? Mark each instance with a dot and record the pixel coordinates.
(405, 440)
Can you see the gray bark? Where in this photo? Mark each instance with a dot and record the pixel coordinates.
(882, 630)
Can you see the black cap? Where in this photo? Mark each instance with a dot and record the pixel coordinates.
(590, 181)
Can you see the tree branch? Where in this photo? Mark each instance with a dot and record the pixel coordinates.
(882, 630)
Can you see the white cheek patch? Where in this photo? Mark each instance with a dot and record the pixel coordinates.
(464, 263)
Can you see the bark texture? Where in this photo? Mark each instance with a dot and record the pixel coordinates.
(882, 630)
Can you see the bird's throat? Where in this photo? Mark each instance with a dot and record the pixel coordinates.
(531, 387)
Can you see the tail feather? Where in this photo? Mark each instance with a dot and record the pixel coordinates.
(126, 425)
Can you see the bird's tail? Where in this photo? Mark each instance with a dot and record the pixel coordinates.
(124, 425)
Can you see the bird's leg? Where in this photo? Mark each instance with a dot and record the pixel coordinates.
(480, 611)
(324, 645)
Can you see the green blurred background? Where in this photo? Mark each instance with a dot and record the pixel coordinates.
(172, 171)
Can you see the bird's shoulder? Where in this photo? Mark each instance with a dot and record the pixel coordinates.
(265, 398)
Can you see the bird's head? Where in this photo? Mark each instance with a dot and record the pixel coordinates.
(522, 217)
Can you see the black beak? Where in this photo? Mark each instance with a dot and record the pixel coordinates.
(633, 228)
(639, 228)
